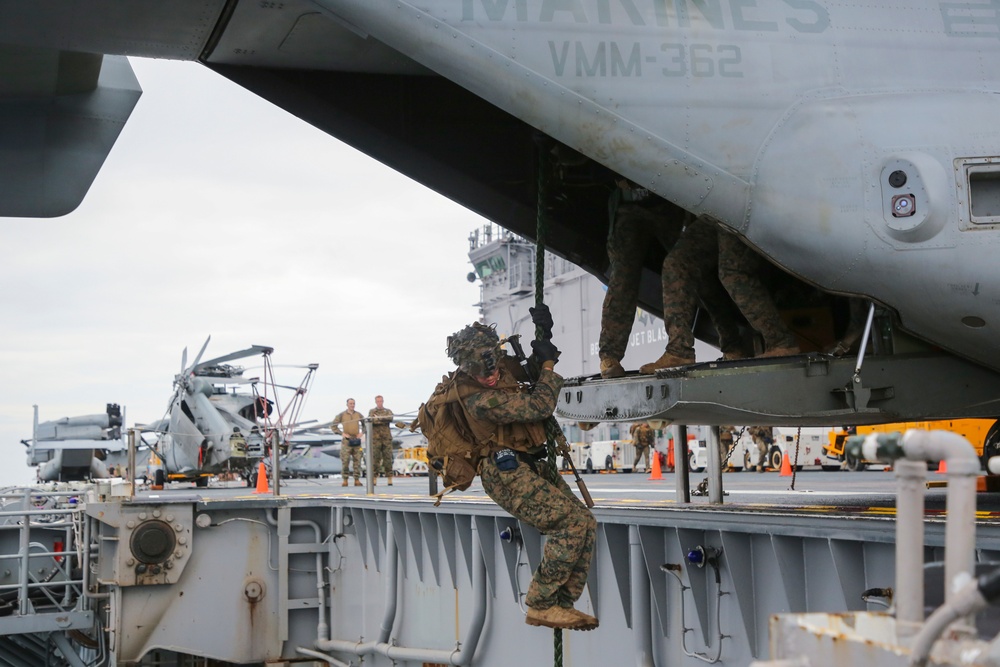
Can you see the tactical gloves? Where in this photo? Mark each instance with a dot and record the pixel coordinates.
(542, 318)
(544, 350)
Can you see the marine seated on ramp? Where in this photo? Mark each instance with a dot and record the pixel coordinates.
(506, 416)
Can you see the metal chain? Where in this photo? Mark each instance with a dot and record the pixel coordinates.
(732, 449)
(795, 467)
(702, 488)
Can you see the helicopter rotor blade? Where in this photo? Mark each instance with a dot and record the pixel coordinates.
(252, 350)
(194, 366)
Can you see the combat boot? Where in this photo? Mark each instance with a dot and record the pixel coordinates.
(390, 481)
(784, 351)
(735, 355)
(344, 482)
(554, 617)
(666, 360)
(357, 482)
(611, 368)
(587, 622)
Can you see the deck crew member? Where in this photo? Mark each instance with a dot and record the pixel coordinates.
(643, 439)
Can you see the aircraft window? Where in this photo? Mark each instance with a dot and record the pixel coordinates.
(984, 194)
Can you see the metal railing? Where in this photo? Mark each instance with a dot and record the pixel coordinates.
(41, 552)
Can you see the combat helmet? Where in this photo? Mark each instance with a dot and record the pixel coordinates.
(475, 349)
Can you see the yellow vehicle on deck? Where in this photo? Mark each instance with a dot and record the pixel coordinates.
(983, 434)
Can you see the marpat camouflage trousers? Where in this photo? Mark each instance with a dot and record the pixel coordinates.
(347, 455)
(739, 271)
(690, 273)
(382, 453)
(635, 228)
(544, 500)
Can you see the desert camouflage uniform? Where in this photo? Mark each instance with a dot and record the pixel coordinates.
(690, 272)
(536, 494)
(351, 422)
(642, 439)
(739, 271)
(381, 443)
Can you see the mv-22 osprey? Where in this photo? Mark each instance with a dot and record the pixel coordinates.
(855, 145)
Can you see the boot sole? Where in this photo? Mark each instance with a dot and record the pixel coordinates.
(572, 626)
(554, 626)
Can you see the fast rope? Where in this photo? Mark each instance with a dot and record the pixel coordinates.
(541, 227)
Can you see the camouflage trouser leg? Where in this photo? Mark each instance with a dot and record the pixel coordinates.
(382, 457)
(626, 248)
(641, 453)
(544, 500)
(684, 270)
(761, 452)
(690, 273)
(714, 297)
(347, 455)
(739, 269)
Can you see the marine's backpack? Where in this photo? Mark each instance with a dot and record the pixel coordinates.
(452, 449)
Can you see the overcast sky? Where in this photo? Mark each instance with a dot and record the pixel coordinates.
(219, 214)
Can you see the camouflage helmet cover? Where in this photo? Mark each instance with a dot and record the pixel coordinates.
(474, 348)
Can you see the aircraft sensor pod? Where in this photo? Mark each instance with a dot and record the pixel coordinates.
(913, 187)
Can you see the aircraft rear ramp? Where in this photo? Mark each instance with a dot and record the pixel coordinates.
(805, 390)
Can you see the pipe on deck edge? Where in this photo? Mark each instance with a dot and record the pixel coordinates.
(642, 634)
(461, 657)
(960, 528)
(909, 592)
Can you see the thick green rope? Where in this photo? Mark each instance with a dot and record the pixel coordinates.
(552, 427)
(541, 227)
(542, 224)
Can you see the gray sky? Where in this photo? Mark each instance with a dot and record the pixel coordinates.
(219, 214)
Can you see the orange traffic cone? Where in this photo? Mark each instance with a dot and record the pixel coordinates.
(786, 466)
(262, 486)
(656, 474)
(942, 467)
